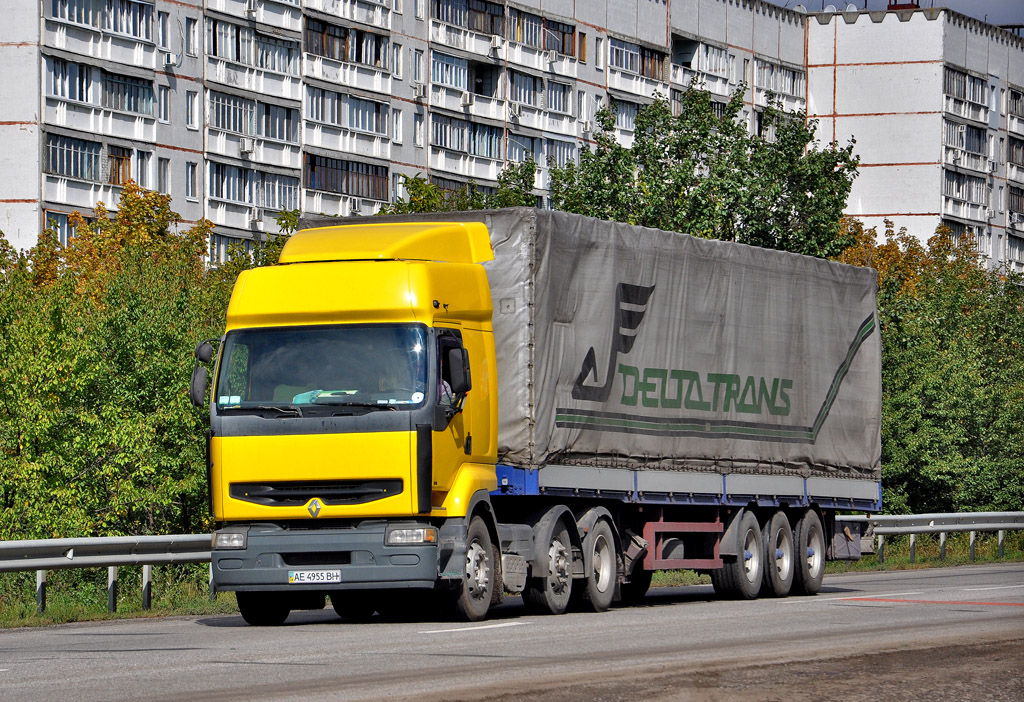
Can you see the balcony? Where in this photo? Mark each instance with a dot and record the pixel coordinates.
(80, 194)
(635, 84)
(963, 108)
(227, 213)
(89, 41)
(96, 120)
(562, 124)
(714, 84)
(966, 159)
(477, 168)
(353, 75)
(283, 14)
(524, 115)
(375, 14)
(337, 138)
(1015, 172)
(1015, 124)
(337, 205)
(253, 79)
(789, 103)
(256, 149)
(964, 209)
(485, 45)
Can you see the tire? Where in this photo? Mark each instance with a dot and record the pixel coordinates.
(262, 608)
(550, 593)
(809, 537)
(599, 586)
(779, 556)
(473, 595)
(740, 576)
(633, 592)
(355, 605)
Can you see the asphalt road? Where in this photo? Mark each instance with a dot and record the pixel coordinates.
(941, 634)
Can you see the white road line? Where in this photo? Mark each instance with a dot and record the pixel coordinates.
(805, 600)
(996, 587)
(502, 625)
(868, 597)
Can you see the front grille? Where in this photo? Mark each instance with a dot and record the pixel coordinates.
(289, 493)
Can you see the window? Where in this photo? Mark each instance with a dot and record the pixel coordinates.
(711, 59)
(561, 153)
(522, 148)
(970, 188)
(966, 137)
(1015, 152)
(232, 114)
(559, 37)
(120, 162)
(959, 85)
(582, 51)
(486, 17)
(191, 37)
(142, 168)
(449, 11)
(127, 94)
(625, 115)
(1015, 248)
(524, 88)
(417, 128)
(396, 6)
(324, 106)
(778, 79)
(396, 61)
(484, 140)
(346, 177)
(280, 123)
(1016, 200)
(163, 168)
(277, 55)
(417, 65)
(599, 53)
(559, 98)
(221, 245)
(75, 158)
(447, 132)
(327, 40)
(1015, 103)
(396, 126)
(418, 8)
(624, 55)
(130, 17)
(163, 21)
(524, 28)
(70, 80)
(60, 223)
(448, 70)
(163, 111)
(191, 109)
(367, 116)
(87, 12)
(191, 178)
(231, 183)
(280, 192)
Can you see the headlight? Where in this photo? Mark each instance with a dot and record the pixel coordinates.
(411, 535)
(228, 540)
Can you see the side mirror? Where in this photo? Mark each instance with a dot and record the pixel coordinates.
(197, 388)
(458, 367)
(204, 351)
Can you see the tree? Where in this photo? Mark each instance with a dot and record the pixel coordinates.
(515, 186)
(702, 174)
(952, 373)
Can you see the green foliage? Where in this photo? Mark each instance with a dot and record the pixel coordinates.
(952, 374)
(704, 175)
(515, 186)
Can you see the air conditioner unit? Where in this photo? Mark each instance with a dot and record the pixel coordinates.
(588, 126)
(1016, 218)
(246, 146)
(256, 219)
(170, 60)
(551, 56)
(496, 44)
(420, 90)
(466, 100)
(250, 9)
(989, 214)
(956, 156)
(993, 166)
(513, 111)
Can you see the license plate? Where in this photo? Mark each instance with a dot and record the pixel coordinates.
(301, 577)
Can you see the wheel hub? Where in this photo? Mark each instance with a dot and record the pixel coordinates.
(478, 574)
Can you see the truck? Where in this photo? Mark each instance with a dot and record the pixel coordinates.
(458, 406)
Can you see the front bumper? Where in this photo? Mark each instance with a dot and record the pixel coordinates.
(357, 551)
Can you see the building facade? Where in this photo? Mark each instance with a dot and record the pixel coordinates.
(240, 109)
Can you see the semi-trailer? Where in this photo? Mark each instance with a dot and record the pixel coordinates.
(522, 400)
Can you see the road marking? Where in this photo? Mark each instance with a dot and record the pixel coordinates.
(941, 602)
(996, 587)
(473, 628)
(871, 597)
(804, 600)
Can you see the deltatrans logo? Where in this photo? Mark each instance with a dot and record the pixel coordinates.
(725, 392)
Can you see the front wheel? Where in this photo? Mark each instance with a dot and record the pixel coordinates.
(473, 596)
(810, 548)
(262, 608)
(549, 593)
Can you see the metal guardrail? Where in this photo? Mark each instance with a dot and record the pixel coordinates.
(111, 552)
(882, 525)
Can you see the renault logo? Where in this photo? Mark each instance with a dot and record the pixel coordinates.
(314, 508)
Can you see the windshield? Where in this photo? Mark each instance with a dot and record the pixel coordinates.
(295, 370)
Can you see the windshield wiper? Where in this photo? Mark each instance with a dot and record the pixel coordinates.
(367, 405)
(281, 410)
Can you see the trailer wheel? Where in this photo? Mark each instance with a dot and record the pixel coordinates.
(600, 582)
(810, 548)
(549, 593)
(473, 596)
(262, 608)
(778, 556)
(639, 583)
(740, 576)
(354, 605)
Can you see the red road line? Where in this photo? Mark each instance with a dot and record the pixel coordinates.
(942, 602)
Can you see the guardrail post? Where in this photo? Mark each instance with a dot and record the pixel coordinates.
(913, 547)
(147, 587)
(974, 535)
(213, 588)
(40, 591)
(112, 589)
(942, 545)
(881, 549)
(1002, 535)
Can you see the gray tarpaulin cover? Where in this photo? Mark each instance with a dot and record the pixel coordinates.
(634, 347)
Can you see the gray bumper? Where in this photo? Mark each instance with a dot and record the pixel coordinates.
(358, 552)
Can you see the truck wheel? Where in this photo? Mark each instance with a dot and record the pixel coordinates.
(262, 608)
(778, 556)
(740, 576)
(600, 582)
(639, 583)
(354, 605)
(549, 593)
(809, 537)
(473, 597)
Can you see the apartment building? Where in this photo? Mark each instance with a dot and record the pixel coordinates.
(935, 100)
(240, 109)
